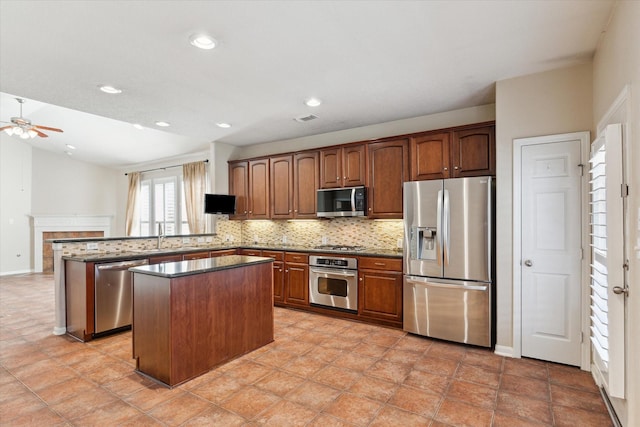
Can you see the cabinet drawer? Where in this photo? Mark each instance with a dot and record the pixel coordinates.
(164, 258)
(195, 255)
(389, 264)
(296, 257)
(277, 255)
(251, 252)
(222, 252)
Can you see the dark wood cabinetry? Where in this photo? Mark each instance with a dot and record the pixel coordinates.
(278, 275)
(456, 153)
(223, 252)
(296, 268)
(195, 255)
(473, 151)
(239, 186)
(343, 166)
(388, 170)
(305, 184)
(161, 259)
(281, 187)
(380, 289)
(258, 197)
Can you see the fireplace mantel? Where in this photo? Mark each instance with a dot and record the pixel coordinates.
(43, 223)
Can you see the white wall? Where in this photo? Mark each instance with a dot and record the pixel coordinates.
(482, 113)
(616, 64)
(15, 205)
(552, 102)
(39, 182)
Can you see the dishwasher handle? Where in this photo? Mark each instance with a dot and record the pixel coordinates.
(124, 265)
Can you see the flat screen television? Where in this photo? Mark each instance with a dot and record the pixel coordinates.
(219, 204)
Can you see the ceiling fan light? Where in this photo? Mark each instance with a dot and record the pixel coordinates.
(17, 130)
(9, 131)
(24, 135)
(32, 133)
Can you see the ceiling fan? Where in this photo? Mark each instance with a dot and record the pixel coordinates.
(23, 128)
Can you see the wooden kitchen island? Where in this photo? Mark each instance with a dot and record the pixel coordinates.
(191, 316)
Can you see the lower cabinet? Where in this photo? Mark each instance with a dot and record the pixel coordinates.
(278, 275)
(380, 289)
(195, 255)
(223, 252)
(162, 259)
(296, 279)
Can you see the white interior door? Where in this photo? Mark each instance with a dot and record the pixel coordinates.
(551, 251)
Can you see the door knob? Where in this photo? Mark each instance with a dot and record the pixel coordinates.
(620, 290)
(528, 262)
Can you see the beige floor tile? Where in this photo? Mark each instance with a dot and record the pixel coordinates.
(354, 409)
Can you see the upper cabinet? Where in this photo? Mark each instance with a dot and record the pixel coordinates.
(343, 166)
(281, 187)
(305, 184)
(258, 197)
(388, 170)
(239, 186)
(457, 153)
(473, 151)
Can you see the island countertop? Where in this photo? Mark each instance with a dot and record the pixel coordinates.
(199, 266)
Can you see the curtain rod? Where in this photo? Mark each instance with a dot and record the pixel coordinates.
(166, 167)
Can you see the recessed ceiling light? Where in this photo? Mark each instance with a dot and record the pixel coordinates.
(71, 147)
(223, 125)
(138, 126)
(313, 102)
(203, 41)
(163, 124)
(110, 89)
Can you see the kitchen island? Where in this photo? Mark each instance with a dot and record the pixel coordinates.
(191, 316)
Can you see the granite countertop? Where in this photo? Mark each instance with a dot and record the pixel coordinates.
(199, 266)
(95, 256)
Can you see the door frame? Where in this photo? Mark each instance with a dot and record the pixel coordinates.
(518, 144)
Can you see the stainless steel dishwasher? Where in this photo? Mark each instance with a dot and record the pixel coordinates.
(113, 295)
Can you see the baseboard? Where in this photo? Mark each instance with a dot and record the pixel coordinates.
(13, 273)
(503, 350)
(59, 331)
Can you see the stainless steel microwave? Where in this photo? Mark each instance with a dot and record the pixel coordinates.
(334, 202)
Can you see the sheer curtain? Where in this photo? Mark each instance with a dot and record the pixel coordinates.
(131, 225)
(194, 176)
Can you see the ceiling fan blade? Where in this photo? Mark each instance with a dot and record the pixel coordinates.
(5, 127)
(40, 134)
(47, 128)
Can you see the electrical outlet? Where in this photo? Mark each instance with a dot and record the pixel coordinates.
(255, 239)
(324, 240)
(186, 240)
(200, 239)
(399, 244)
(284, 239)
(228, 238)
(209, 239)
(92, 246)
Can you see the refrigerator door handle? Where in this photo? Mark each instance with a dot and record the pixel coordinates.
(439, 226)
(434, 284)
(446, 220)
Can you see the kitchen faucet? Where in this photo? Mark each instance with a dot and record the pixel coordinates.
(160, 235)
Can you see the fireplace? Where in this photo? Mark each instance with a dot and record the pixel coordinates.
(64, 226)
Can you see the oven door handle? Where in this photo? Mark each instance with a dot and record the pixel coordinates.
(341, 273)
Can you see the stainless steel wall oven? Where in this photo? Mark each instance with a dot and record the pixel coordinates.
(333, 282)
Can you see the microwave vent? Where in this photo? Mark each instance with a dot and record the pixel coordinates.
(303, 119)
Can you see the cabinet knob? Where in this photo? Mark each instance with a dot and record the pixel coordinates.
(250, 211)
(361, 279)
(245, 211)
(295, 210)
(445, 169)
(287, 270)
(344, 177)
(337, 178)
(289, 210)
(369, 209)
(456, 168)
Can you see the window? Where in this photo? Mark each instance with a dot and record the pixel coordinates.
(162, 204)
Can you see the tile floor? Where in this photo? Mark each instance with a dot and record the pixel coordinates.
(319, 372)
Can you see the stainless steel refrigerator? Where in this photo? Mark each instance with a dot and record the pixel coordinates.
(448, 259)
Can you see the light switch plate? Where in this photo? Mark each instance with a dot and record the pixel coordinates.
(92, 246)
(209, 239)
(200, 239)
(186, 240)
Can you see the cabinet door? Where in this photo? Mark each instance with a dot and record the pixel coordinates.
(297, 284)
(239, 187)
(388, 169)
(473, 152)
(380, 295)
(278, 281)
(306, 181)
(354, 165)
(430, 156)
(281, 187)
(331, 168)
(250, 252)
(258, 189)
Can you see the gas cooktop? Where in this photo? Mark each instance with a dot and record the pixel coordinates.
(345, 248)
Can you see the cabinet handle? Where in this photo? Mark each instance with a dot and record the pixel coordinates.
(380, 263)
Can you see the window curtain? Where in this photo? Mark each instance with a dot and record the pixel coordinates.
(194, 176)
(131, 225)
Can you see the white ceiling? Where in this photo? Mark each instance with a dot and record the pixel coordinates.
(369, 61)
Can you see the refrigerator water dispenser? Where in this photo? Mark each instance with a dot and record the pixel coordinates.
(423, 243)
